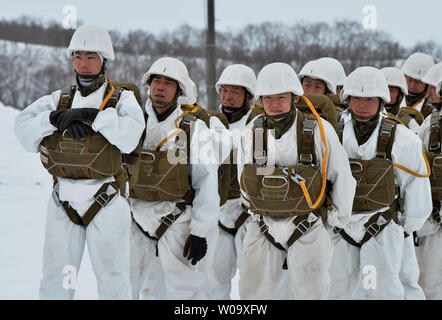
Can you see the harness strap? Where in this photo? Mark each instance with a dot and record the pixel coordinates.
(378, 222)
(238, 223)
(434, 140)
(346, 237)
(146, 234)
(435, 213)
(259, 136)
(242, 217)
(265, 231)
(231, 231)
(373, 226)
(383, 150)
(102, 197)
(307, 145)
(303, 225)
(167, 221)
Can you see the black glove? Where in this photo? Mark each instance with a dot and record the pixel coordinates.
(54, 115)
(197, 247)
(78, 129)
(82, 114)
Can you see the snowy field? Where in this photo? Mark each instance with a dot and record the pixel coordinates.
(25, 187)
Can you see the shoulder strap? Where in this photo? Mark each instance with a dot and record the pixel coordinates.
(113, 100)
(259, 141)
(435, 132)
(220, 116)
(66, 97)
(305, 137)
(386, 138)
(257, 109)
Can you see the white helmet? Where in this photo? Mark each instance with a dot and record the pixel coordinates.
(365, 82)
(238, 75)
(338, 69)
(417, 65)
(433, 77)
(321, 70)
(276, 78)
(91, 38)
(395, 78)
(192, 96)
(171, 68)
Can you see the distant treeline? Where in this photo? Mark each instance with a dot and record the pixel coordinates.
(254, 45)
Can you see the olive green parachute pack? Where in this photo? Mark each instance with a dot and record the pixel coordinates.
(92, 157)
(375, 178)
(155, 178)
(279, 193)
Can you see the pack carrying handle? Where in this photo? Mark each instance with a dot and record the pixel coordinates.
(324, 163)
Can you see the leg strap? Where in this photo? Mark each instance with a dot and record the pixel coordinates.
(303, 225)
(373, 226)
(102, 197)
(265, 231)
(238, 223)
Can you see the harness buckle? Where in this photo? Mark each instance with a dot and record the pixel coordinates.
(264, 228)
(373, 229)
(336, 229)
(434, 147)
(188, 118)
(260, 159)
(305, 224)
(308, 125)
(168, 220)
(103, 198)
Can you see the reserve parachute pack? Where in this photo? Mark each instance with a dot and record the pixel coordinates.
(155, 178)
(376, 187)
(283, 192)
(92, 157)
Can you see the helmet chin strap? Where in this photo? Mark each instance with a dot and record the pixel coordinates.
(92, 77)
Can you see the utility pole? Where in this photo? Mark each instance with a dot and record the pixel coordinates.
(210, 56)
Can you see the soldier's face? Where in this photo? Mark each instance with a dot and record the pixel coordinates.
(163, 88)
(232, 96)
(414, 85)
(434, 98)
(364, 107)
(87, 63)
(394, 92)
(313, 86)
(277, 103)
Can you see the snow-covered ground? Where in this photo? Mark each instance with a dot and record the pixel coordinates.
(25, 187)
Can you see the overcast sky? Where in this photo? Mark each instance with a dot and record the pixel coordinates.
(408, 21)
